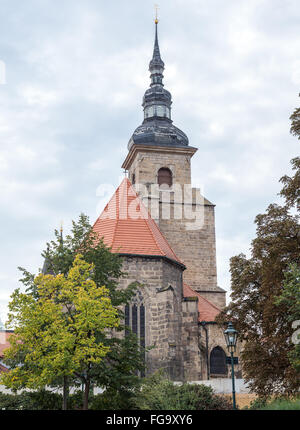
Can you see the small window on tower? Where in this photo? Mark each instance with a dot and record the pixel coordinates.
(133, 178)
(165, 176)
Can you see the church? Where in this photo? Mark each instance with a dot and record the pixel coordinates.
(164, 229)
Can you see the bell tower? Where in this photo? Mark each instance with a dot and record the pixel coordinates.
(159, 166)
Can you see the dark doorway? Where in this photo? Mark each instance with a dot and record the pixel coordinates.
(218, 361)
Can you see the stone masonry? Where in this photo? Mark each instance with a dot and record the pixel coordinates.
(171, 320)
(176, 213)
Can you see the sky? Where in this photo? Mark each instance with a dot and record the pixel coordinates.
(72, 77)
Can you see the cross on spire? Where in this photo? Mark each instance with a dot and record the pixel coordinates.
(156, 13)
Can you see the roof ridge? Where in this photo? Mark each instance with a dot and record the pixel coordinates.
(148, 220)
(137, 232)
(151, 232)
(203, 298)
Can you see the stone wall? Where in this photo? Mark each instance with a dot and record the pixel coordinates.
(184, 216)
(162, 293)
(190, 340)
(146, 165)
(216, 338)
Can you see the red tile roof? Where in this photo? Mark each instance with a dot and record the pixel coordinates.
(207, 310)
(127, 227)
(4, 343)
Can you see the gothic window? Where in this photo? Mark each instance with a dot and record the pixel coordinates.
(218, 361)
(135, 320)
(164, 176)
(133, 178)
(127, 319)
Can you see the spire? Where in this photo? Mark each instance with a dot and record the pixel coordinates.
(156, 65)
(157, 101)
(157, 127)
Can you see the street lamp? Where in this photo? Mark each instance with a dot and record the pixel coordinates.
(231, 337)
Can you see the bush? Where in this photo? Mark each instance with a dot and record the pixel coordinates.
(282, 405)
(113, 400)
(36, 400)
(10, 401)
(158, 393)
(267, 404)
(257, 403)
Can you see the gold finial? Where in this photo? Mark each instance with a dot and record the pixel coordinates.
(61, 226)
(156, 13)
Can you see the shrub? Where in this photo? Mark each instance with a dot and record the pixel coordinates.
(257, 403)
(158, 393)
(282, 405)
(35, 400)
(10, 401)
(75, 400)
(113, 400)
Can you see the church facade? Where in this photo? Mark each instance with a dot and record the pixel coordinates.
(165, 231)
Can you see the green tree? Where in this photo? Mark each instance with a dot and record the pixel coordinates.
(291, 297)
(119, 369)
(295, 122)
(265, 327)
(58, 332)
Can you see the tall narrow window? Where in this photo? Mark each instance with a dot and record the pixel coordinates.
(127, 319)
(135, 320)
(218, 361)
(142, 325)
(164, 176)
(142, 334)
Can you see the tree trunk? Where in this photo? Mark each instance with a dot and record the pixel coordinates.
(86, 394)
(65, 393)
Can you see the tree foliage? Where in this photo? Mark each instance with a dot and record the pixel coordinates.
(119, 369)
(291, 297)
(58, 333)
(263, 322)
(295, 122)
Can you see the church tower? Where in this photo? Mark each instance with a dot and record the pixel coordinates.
(159, 167)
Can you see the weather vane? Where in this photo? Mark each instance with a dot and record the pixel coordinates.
(156, 13)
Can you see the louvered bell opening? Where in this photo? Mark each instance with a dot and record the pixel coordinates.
(165, 177)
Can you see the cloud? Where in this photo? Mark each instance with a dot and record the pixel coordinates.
(75, 77)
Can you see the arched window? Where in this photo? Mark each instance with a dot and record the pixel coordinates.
(164, 176)
(135, 320)
(218, 361)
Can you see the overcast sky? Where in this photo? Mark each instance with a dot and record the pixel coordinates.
(75, 75)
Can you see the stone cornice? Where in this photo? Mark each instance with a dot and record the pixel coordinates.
(136, 148)
(155, 257)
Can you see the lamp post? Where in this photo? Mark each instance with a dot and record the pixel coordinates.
(231, 337)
